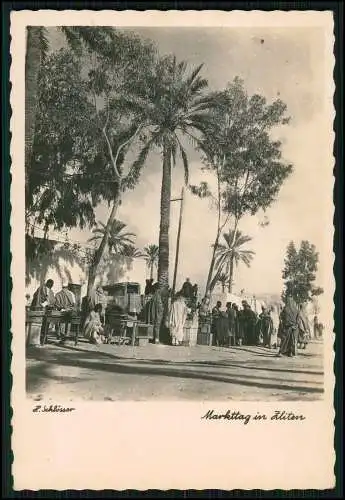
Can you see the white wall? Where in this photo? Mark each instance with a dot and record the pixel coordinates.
(64, 270)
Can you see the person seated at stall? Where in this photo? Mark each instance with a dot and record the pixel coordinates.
(97, 296)
(43, 296)
(93, 329)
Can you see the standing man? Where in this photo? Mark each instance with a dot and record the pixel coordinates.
(216, 313)
(248, 318)
(44, 299)
(231, 320)
(155, 312)
(177, 318)
(266, 327)
(65, 302)
(187, 289)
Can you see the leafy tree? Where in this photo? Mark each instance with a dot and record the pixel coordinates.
(173, 101)
(150, 255)
(231, 253)
(239, 149)
(37, 48)
(37, 45)
(82, 137)
(299, 273)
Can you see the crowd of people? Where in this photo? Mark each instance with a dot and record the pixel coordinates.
(287, 328)
(242, 326)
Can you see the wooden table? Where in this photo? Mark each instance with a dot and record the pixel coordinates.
(62, 317)
(118, 326)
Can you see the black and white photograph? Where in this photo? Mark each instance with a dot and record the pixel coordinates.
(177, 185)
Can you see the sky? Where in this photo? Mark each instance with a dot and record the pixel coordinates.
(288, 63)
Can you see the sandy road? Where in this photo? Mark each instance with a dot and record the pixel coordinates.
(111, 373)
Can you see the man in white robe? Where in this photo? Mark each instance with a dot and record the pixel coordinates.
(177, 319)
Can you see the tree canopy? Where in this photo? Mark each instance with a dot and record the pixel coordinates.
(71, 162)
(240, 145)
(299, 273)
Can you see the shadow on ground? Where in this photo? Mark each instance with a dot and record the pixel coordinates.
(92, 360)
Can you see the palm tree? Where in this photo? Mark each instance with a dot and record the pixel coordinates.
(119, 242)
(150, 255)
(131, 252)
(231, 253)
(222, 278)
(172, 100)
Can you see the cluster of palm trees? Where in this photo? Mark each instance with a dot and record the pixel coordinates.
(171, 106)
(228, 254)
(121, 242)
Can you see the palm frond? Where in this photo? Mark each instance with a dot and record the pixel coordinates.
(139, 162)
(200, 84)
(194, 74)
(94, 238)
(220, 261)
(215, 279)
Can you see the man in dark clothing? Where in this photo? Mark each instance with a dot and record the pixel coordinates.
(149, 287)
(265, 327)
(187, 289)
(215, 321)
(231, 320)
(237, 326)
(248, 320)
(44, 295)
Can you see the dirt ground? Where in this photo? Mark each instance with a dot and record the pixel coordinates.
(165, 373)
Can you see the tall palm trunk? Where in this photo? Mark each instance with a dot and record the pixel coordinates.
(215, 245)
(231, 272)
(213, 260)
(163, 256)
(100, 250)
(231, 264)
(33, 59)
(151, 270)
